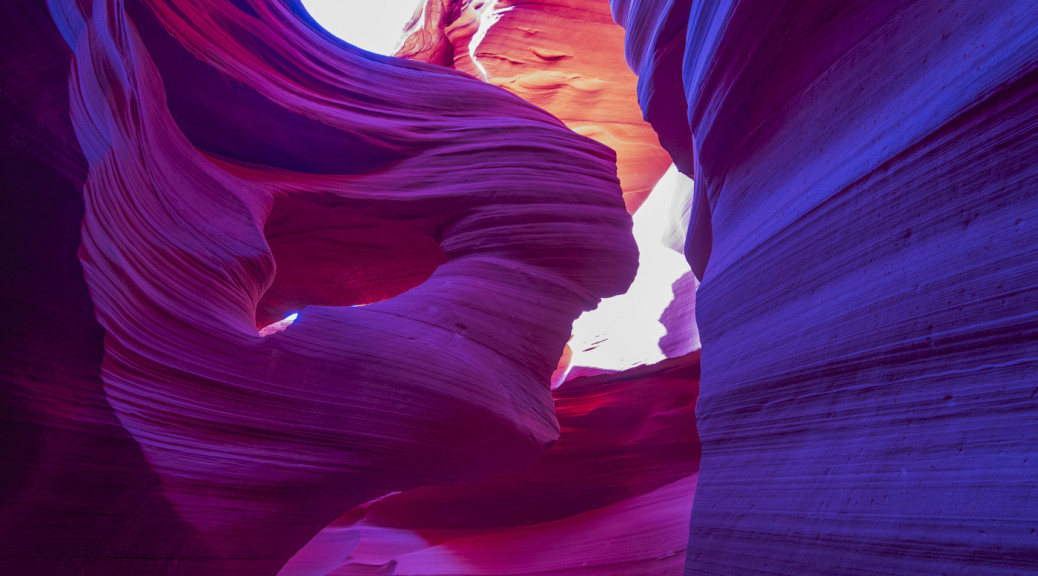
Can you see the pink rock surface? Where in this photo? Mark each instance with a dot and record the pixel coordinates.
(237, 173)
(863, 225)
(302, 294)
(611, 497)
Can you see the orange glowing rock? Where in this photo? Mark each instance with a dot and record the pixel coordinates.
(564, 56)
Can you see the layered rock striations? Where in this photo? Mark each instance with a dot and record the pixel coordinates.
(865, 230)
(565, 56)
(429, 249)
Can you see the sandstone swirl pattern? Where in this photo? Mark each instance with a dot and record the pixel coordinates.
(216, 149)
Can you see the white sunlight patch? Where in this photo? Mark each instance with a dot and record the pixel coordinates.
(489, 14)
(624, 331)
(278, 326)
(374, 26)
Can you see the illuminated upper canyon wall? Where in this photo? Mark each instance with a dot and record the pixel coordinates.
(865, 227)
(565, 56)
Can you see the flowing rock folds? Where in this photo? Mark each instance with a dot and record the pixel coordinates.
(239, 173)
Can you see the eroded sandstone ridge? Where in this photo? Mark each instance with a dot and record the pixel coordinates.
(238, 166)
(865, 224)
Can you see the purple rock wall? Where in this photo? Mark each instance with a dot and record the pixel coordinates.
(865, 229)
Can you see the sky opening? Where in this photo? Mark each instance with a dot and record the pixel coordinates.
(624, 331)
(374, 26)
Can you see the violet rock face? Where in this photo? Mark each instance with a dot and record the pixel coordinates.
(261, 438)
(865, 229)
(426, 249)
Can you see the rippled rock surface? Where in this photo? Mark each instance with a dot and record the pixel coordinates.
(865, 225)
(427, 249)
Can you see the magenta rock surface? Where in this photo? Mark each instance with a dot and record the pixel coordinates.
(435, 243)
(865, 228)
(611, 497)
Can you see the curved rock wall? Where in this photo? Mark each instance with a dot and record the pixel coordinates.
(865, 228)
(240, 165)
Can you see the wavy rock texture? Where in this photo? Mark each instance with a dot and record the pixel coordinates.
(611, 497)
(239, 165)
(865, 231)
(565, 56)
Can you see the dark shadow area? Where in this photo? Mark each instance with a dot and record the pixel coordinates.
(334, 252)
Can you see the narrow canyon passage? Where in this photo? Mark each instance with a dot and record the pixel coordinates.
(554, 287)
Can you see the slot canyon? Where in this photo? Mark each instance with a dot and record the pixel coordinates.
(522, 287)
